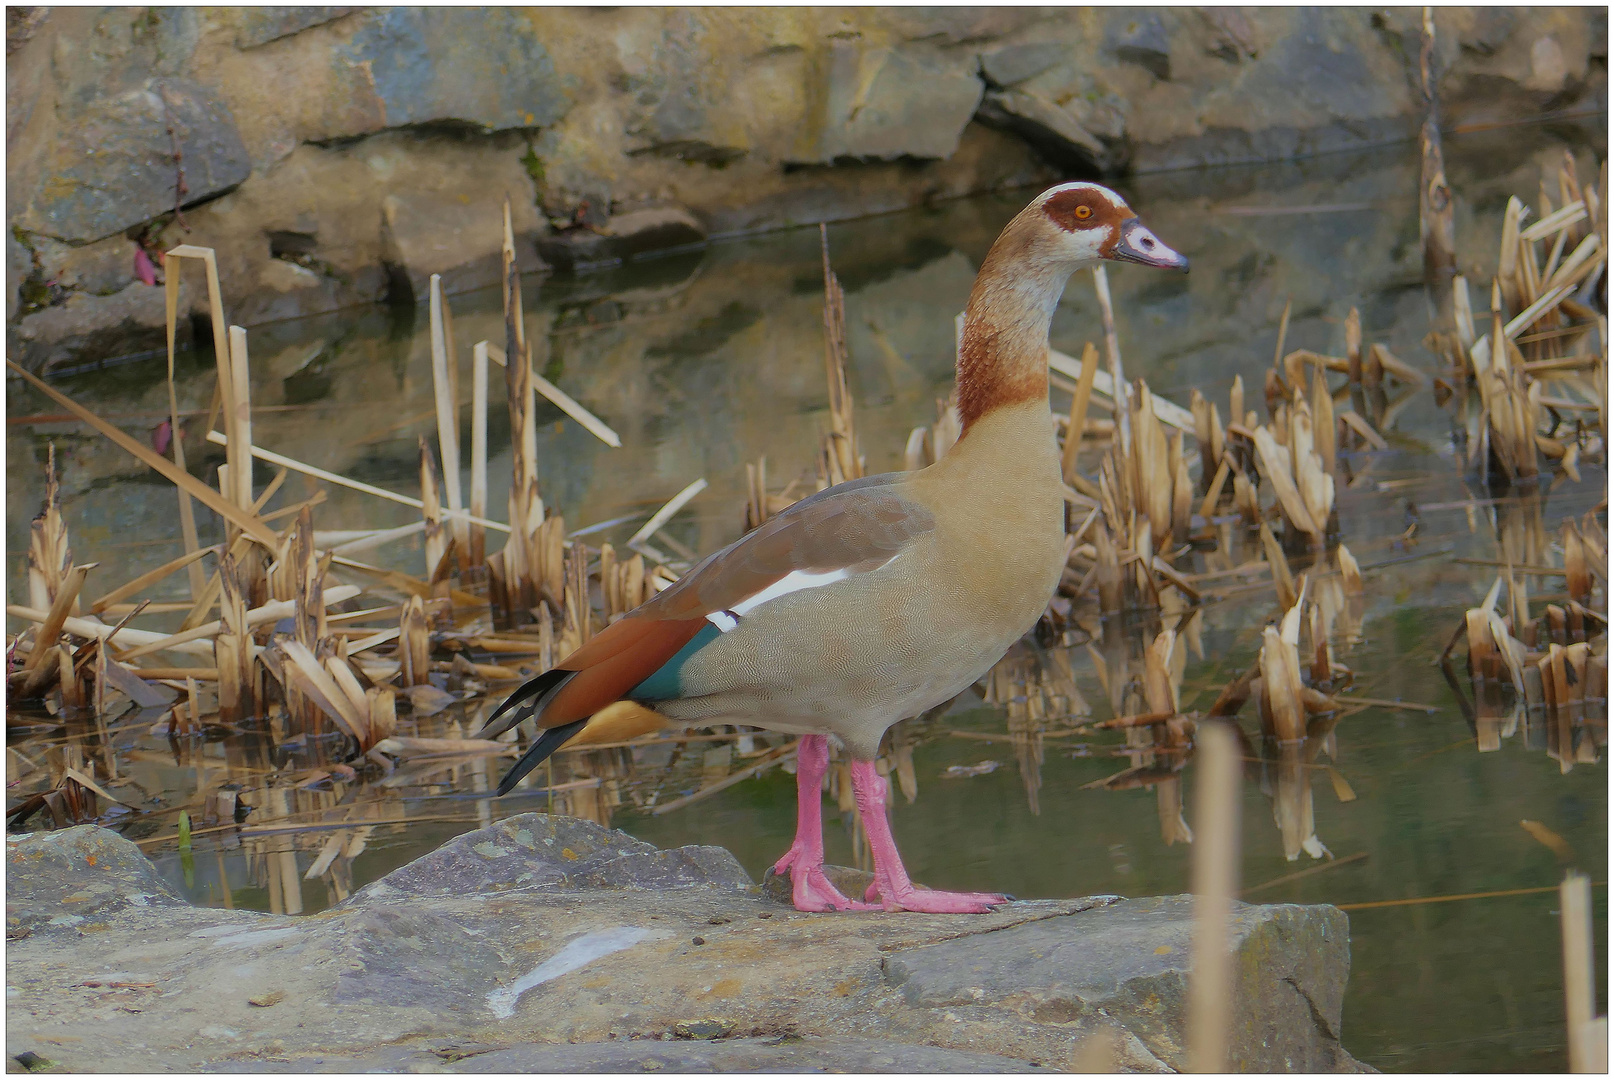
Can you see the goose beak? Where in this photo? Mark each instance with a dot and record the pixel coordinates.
(1137, 244)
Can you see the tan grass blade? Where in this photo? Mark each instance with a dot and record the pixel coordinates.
(562, 400)
(149, 578)
(665, 514)
(341, 481)
(1278, 474)
(202, 493)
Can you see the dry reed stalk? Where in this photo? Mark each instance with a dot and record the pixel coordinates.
(1182, 492)
(247, 522)
(36, 671)
(236, 386)
(1277, 468)
(444, 366)
(440, 544)
(301, 564)
(1435, 199)
(1212, 438)
(1112, 350)
(1577, 578)
(476, 540)
(1150, 463)
(840, 459)
(1213, 490)
(1349, 572)
(341, 481)
(1588, 1049)
(1078, 413)
(665, 514)
(233, 648)
(315, 681)
(1215, 873)
(1246, 501)
(221, 351)
(414, 644)
(1281, 686)
(1312, 479)
(50, 554)
(1107, 572)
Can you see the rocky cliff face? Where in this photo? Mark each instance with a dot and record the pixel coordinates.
(336, 156)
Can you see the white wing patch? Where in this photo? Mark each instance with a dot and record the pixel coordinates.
(795, 581)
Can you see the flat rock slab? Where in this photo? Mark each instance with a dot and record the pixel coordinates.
(549, 944)
(1129, 960)
(786, 1054)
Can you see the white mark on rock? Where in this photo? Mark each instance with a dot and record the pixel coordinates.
(574, 954)
(258, 937)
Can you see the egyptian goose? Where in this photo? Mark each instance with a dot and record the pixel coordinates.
(880, 597)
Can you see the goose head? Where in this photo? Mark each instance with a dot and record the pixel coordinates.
(1080, 224)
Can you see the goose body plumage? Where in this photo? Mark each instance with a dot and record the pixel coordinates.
(879, 598)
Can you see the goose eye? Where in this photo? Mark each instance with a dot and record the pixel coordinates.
(1083, 213)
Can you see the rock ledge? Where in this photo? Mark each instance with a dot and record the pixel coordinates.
(550, 944)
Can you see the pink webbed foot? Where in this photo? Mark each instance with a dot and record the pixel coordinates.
(891, 883)
(810, 890)
(936, 902)
(933, 901)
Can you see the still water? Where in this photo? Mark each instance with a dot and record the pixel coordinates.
(706, 361)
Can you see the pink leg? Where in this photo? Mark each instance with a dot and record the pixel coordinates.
(890, 878)
(809, 888)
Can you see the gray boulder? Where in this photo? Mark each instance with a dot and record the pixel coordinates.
(484, 67)
(62, 878)
(1056, 133)
(1130, 961)
(910, 101)
(519, 852)
(114, 168)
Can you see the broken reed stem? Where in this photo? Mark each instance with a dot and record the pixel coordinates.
(841, 457)
(187, 513)
(1580, 991)
(448, 421)
(477, 546)
(1078, 412)
(1112, 348)
(238, 401)
(1215, 883)
(341, 481)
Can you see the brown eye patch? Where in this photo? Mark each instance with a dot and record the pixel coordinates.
(1084, 209)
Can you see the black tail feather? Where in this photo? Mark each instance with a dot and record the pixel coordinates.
(547, 743)
(532, 697)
